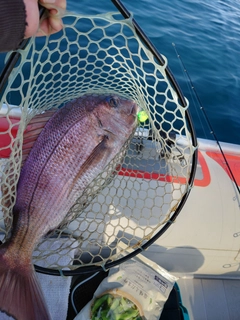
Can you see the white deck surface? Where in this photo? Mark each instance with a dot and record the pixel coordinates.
(210, 299)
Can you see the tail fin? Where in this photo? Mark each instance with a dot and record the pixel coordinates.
(20, 293)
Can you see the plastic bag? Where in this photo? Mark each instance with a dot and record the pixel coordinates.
(136, 289)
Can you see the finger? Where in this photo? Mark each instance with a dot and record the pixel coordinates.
(50, 4)
(49, 26)
(52, 22)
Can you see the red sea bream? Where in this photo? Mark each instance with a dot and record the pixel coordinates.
(75, 145)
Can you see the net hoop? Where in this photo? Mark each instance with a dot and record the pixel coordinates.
(72, 63)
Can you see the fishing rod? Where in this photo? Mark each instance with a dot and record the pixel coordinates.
(206, 117)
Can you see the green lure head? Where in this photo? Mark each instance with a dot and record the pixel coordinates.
(142, 116)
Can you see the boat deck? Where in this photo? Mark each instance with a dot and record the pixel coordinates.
(211, 299)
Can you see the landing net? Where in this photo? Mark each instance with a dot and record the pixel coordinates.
(137, 200)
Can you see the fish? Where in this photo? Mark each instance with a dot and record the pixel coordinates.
(76, 144)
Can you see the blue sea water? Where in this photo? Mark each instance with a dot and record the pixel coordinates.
(207, 37)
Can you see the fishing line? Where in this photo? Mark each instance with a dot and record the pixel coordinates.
(206, 117)
(194, 102)
(76, 287)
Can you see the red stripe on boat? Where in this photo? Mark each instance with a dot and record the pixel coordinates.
(233, 161)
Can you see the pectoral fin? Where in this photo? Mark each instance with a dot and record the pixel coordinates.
(100, 152)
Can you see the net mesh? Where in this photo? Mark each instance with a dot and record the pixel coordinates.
(130, 202)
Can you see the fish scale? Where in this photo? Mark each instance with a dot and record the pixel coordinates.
(73, 148)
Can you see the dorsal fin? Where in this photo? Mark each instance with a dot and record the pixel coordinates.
(33, 130)
(30, 135)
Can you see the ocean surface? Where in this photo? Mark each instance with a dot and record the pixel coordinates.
(206, 35)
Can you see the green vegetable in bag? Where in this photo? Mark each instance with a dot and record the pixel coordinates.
(114, 307)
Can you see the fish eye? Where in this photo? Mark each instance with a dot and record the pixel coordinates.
(113, 102)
